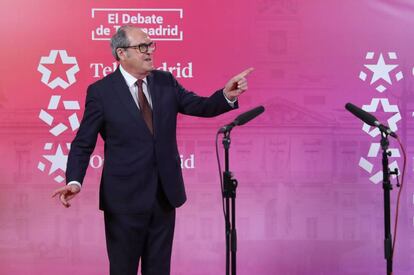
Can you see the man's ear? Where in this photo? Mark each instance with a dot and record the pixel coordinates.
(121, 53)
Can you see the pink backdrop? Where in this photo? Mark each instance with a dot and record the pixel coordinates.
(307, 201)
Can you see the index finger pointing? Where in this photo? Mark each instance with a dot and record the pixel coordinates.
(245, 73)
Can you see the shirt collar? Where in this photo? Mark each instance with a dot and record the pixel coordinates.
(130, 79)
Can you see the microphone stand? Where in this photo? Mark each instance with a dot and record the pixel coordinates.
(387, 186)
(386, 173)
(229, 195)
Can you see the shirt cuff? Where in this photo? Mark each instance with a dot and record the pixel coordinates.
(230, 102)
(75, 182)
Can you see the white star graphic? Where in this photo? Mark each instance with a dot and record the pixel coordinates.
(388, 108)
(51, 59)
(58, 160)
(381, 70)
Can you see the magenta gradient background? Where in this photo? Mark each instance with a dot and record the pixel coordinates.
(304, 205)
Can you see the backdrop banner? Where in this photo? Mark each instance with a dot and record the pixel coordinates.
(310, 197)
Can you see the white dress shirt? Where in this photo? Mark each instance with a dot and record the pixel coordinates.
(130, 81)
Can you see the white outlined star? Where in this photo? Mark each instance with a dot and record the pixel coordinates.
(388, 108)
(58, 160)
(381, 70)
(51, 59)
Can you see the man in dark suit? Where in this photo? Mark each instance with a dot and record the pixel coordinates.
(135, 109)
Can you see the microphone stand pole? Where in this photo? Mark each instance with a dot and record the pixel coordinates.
(229, 195)
(387, 186)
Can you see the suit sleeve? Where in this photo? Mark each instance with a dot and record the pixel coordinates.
(192, 104)
(85, 140)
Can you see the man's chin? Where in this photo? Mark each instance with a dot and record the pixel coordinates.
(150, 69)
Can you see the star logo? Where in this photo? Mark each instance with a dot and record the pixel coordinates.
(52, 65)
(388, 108)
(373, 153)
(60, 127)
(57, 161)
(381, 71)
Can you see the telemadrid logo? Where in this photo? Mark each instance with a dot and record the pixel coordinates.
(54, 158)
(381, 74)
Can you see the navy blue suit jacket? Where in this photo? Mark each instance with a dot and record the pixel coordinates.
(135, 161)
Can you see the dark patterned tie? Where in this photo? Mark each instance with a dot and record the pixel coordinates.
(144, 106)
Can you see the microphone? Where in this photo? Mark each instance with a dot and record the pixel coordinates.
(369, 119)
(242, 119)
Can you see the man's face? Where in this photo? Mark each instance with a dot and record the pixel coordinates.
(134, 61)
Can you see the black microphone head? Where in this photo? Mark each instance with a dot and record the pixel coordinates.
(363, 115)
(249, 115)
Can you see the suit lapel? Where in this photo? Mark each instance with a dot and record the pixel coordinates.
(154, 94)
(127, 100)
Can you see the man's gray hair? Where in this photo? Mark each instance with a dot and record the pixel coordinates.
(119, 40)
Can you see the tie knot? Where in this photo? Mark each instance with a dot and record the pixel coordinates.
(139, 82)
